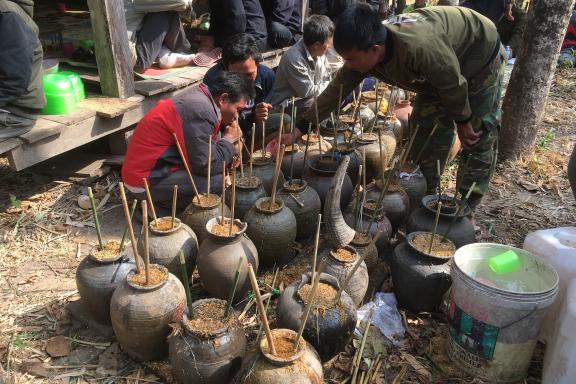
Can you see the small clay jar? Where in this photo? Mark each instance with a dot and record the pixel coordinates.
(329, 328)
(199, 211)
(293, 161)
(302, 366)
(362, 243)
(165, 244)
(218, 259)
(339, 267)
(396, 203)
(462, 231)
(402, 111)
(412, 180)
(272, 228)
(374, 161)
(347, 149)
(141, 314)
(414, 270)
(201, 356)
(264, 168)
(321, 171)
(304, 202)
(97, 279)
(362, 223)
(248, 191)
(313, 148)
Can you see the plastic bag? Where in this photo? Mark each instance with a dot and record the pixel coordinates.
(386, 317)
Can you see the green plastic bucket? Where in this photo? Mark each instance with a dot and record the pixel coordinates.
(60, 96)
(494, 318)
(77, 84)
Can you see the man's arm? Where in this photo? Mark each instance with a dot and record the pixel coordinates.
(301, 79)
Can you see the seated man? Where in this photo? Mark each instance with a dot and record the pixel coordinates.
(155, 32)
(302, 72)
(568, 51)
(283, 21)
(511, 31)
(240, 54)
(209, 109)
(231, 17)
(21, 95)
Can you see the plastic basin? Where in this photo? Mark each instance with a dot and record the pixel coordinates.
(77, 84)
(60, 96)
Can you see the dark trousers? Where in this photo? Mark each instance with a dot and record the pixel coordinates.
(158, 29)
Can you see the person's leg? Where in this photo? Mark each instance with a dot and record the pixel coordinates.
(12, 125)
(279, 36)
(256, 23)
(567, 58)
(272, 126)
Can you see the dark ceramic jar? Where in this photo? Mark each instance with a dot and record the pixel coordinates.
(348, 149)
(197, 214)
(412, 180)
(304, 202)
(396, 203)
(263, 168)
(293, 160)
(320, 173)
(248, 191)
(358, 283)
(362, 222)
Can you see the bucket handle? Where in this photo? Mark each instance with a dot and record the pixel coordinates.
(522, 318)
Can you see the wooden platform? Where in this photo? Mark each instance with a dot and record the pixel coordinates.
(99, 116)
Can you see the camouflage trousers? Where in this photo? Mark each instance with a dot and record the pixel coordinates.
(476, 164)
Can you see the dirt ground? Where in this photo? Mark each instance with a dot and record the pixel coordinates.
(44, 234)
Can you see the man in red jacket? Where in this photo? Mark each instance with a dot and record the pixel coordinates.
(568, 52)
(209, 109)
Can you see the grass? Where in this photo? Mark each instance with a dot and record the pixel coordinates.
(544, 141)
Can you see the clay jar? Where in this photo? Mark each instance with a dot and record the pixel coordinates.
(396, 203)
(207, 357)
(248, 191)
(411, 179)
(374, 161)
(362, 243)
(347, 149)
(319, 176)
(339, 267)
(304, 202)
(198, 212)
(302, 367)
(420, 279)
(293, 160)
(381, 224)
(329, 330)
(403, 110)
(97, 279)
(272, 228)
(166, 243)
(263, 168)
(141, 314)
(312, 143)
(218, 259)
(422, 219)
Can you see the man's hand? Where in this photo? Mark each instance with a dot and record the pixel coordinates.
(233, 133)
(383, 9)
(261, 112)
(508, 12)
(467, 135)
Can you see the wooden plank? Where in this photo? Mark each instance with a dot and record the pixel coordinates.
(71, 118)
(152, 87)
(111, 47)
(196, 74)
(9, 144)
(109, 107)
(42, 129)
(179, 82)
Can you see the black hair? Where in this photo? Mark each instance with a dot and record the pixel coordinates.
(359, 27)
(238, 48)
(236, 85)
(317, 29)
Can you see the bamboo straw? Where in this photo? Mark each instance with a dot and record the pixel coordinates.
(263, 153)
(293, 149)
(251, 152)
(241, 160)
(311, 298)
(261, 309)
(306, 149)
(378, 102)
(358, 357)
(209, 166)
(279, 156)
(95, 216)
(186, 284)
(409, 148)
(316, 114)
(316, 242)
(382, 194)
(457, 214)
(269, 297)
(425, 144)
(145, 235)
(281, 129)
(319, 144)
(339, 102)
(223, 191)
(130, 227)
(174, 199)
(132, 210)
(439, 180)
(185, 162)
(233, 288)
(438, 209)
(232, 202)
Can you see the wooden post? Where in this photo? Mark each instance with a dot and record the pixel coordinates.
(111, 48)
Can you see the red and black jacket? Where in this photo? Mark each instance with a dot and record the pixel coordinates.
(194, 117)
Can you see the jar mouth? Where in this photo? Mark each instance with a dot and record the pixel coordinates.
(295, 185)
(361, 239)
(410, 238)
(342, 257)
(159, 275)
(260, 161)
(248, 183)
(367, 138)
(210, 225)
(449, 210)
(264, 204)
(207, 333)
(370, 208)
(324, 164)
(291, 148)
(95, 256)
(281, 338)
(163, 226)
(205, 201)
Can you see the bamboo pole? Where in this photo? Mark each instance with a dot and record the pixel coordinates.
(409, 148)
(95, 216)
(185, 162)
(316, 243)
(382, 194)
(439, 180)
(186, 284)
(306, 149)
(279, 156)
(174, 199)
(438, 209)
(232, 202)
(311, 298)
(425, 144)
(339, 102)
(233, 288)
(261, 309)
(132, 210)
(223, 222)
(358, 357)
(209, 166)
(130, 227)
(457, 214)
(251, 152)
(146, 245)
(263, 153)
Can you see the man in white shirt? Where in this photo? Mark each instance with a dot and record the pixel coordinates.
(303, 71)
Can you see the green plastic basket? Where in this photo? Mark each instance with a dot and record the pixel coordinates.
(77, 84)
(60, 96)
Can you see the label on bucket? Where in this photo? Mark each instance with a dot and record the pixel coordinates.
(476, 338)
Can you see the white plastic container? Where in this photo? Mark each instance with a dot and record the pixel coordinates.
(557, 246)
(560, 357)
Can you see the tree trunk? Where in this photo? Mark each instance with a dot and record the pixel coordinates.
(532, 76)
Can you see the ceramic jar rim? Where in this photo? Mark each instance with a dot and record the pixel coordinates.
(362, 244)
(411, 236)
(249, 187)
(258, 161)
(191, 331)
(157, 232)
(292, 148)
(261, 203)
(242, 225)
(295, 185)
(363, 140)
(349, 248)
(151, 287)
(464, 213)
(314, 163)
(211, 206)
(111, 260)
(276, 360)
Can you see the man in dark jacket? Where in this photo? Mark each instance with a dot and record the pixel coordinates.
(283, 21)
(204, 111)
(21, 94)
(231, 17)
